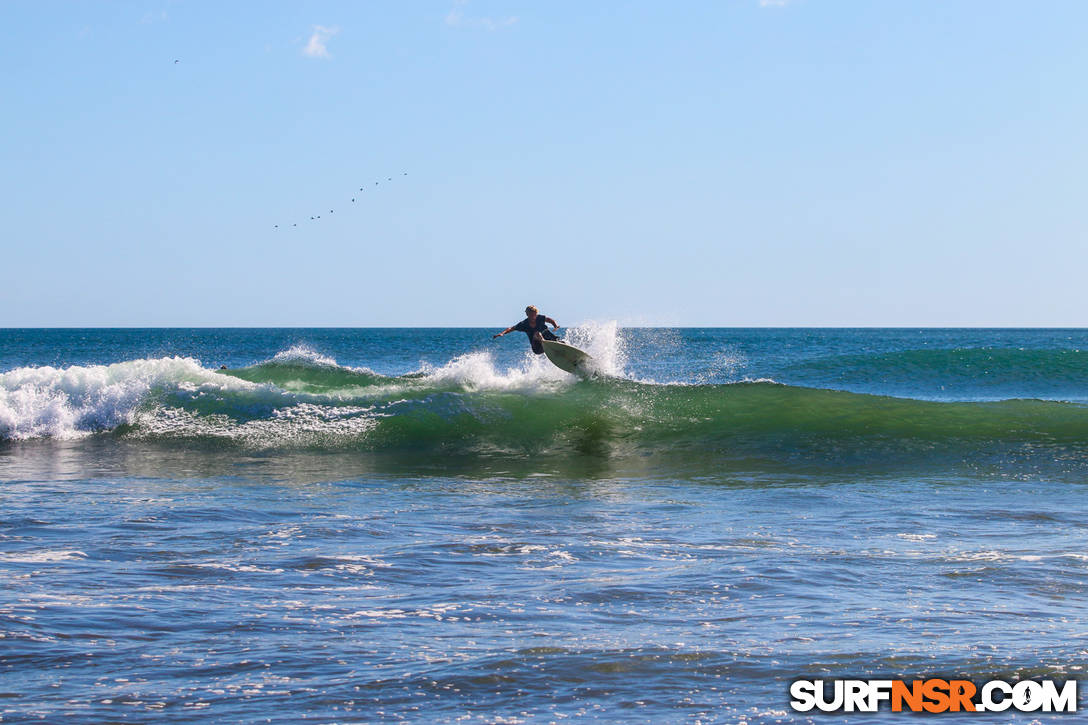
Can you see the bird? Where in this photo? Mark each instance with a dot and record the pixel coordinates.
(353, 199)
(176, 60)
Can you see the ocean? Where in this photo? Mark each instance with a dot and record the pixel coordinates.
(428, 525)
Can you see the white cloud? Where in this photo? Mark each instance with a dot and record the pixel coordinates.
(316, 47)
(456, 18)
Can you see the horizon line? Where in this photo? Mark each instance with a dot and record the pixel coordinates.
(488, 327)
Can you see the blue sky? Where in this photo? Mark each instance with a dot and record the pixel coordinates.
(722, 163)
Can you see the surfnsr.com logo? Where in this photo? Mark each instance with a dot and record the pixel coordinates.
(933, 695)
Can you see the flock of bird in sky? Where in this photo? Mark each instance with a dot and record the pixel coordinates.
(315, 217)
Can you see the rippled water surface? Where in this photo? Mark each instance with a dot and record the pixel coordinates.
(352, 526)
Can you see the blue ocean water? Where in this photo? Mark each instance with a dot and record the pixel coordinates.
(427, 525)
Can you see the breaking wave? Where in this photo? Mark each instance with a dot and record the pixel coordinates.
(471, 407)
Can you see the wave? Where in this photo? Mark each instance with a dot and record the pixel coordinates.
(470, 407)
(69, 402)
(304, 370)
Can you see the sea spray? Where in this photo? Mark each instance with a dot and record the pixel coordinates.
(400, 533)
(477, 371)
(301, 355)
(603, 342)
(76, 400)
(474, 405)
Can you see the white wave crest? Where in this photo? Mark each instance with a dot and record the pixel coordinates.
(478, 370)
(71, 402)
(75, 401)
(303, 355)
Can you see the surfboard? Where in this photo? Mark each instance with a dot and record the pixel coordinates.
(569, 358)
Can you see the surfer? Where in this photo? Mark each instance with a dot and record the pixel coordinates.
(535, 326)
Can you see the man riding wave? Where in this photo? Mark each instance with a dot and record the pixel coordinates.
(535, 326)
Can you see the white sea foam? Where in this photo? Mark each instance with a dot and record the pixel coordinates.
(301, 354)
(74, 401)
(156, 394)
(302, 423)
(478, 370)
(42, 557)
(305, 356)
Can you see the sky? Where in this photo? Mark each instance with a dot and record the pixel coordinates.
(730, 163)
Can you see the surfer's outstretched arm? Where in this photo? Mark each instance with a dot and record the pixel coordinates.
(508, 329)
(553, 323)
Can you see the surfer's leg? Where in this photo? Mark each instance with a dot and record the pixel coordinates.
(538, 345)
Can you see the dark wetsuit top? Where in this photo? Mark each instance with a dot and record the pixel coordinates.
(541, 327)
